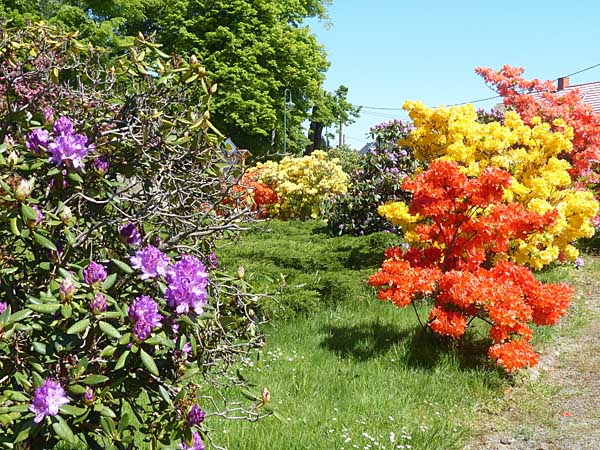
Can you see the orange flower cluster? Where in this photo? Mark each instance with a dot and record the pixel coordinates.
(261, 195)
(514, 355)
(465, 229)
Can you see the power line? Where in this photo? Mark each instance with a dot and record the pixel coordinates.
(474, 101)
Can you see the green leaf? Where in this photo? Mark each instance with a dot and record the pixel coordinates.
(164, 394)
(28, 212)
(14, 227)
(95, 379)
(148, 362)
(108, 351)
(110, 280)
(75, 177)
(76, 389)
(79, 326)
(250, 395)
(121, 360)
(44, 308)
(19, 315)
(124, 422)
(72, 410)
(39, 347)
(44, 242)
(123, 267)
(62, 430)
(109, 330)
(66, 310)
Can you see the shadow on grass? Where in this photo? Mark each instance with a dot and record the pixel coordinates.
(362, 342)
(423, 349)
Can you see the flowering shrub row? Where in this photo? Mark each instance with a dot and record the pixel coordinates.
(111, 323)
(304, 185)
(531, 153)
(463, 230)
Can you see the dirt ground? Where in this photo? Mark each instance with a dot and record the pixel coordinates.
(555, 406)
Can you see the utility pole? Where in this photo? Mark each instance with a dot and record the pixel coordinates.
(341, 135)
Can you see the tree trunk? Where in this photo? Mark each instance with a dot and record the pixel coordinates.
(315, 134)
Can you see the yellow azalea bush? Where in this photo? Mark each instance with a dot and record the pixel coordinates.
(540, 180)
(304, 185)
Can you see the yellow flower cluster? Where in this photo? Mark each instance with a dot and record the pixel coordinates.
(303, 184)
(541, 181)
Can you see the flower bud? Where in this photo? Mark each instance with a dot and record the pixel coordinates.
(23, 190)
(240, 272)
(67, 290)
(12, 159)
(193, 60)
(98, 304)
(66, 215)
(40, 217)
(89, 395)
(266, 395)
(213, 89)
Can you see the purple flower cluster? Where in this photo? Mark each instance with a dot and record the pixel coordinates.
(143, 313)
(37, 140)
(151, 261)
(187, 281)
(197, 443)
(47, 399)
(129, 234)
(65, 147)
(94, 273)
(195, 416)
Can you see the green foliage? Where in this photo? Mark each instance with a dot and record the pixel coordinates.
(348, 158)
(304, 268)
(120, 144)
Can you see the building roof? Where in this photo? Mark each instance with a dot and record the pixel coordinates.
(589, 93)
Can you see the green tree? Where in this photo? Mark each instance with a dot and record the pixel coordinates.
(329, 109)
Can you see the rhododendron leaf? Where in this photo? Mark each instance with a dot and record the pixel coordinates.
(44, 308)
(72, 410)
(124, 267)
(19, 315)
(109, 282)
(109, 330)
(164, 394)
(148, 362)
(122, 359)
(14, 227)
(79, 326)
(28, 212)
(76, 389)
(62, 430)
(44, 241)
(95, 379)
(66, 310)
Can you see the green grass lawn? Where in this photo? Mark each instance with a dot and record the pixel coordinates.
(345, 370)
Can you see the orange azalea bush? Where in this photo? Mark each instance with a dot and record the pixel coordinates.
(258, 194)
(465, 229)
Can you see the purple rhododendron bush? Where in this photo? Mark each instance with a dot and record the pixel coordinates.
(115, 325)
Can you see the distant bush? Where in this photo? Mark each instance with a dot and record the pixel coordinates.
(304, 185)
(378, 180)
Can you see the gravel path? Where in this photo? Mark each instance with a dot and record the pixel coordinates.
(557, 405)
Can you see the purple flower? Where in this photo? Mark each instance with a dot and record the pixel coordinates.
(195, 416)
(144, 315)
(579, 262)
(67, 290)
(63, 127)
(98, 303)
(68, 150)
(129, 234)
(213, 261)
(197, 443)
(94, 273)
(101, 165)
(187, 280)
(151, 261)
(36, 139)
(3, 306)
(47, 399)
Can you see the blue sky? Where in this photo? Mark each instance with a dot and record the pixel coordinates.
(389, 51)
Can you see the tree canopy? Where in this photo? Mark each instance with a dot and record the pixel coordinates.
(253, 49)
